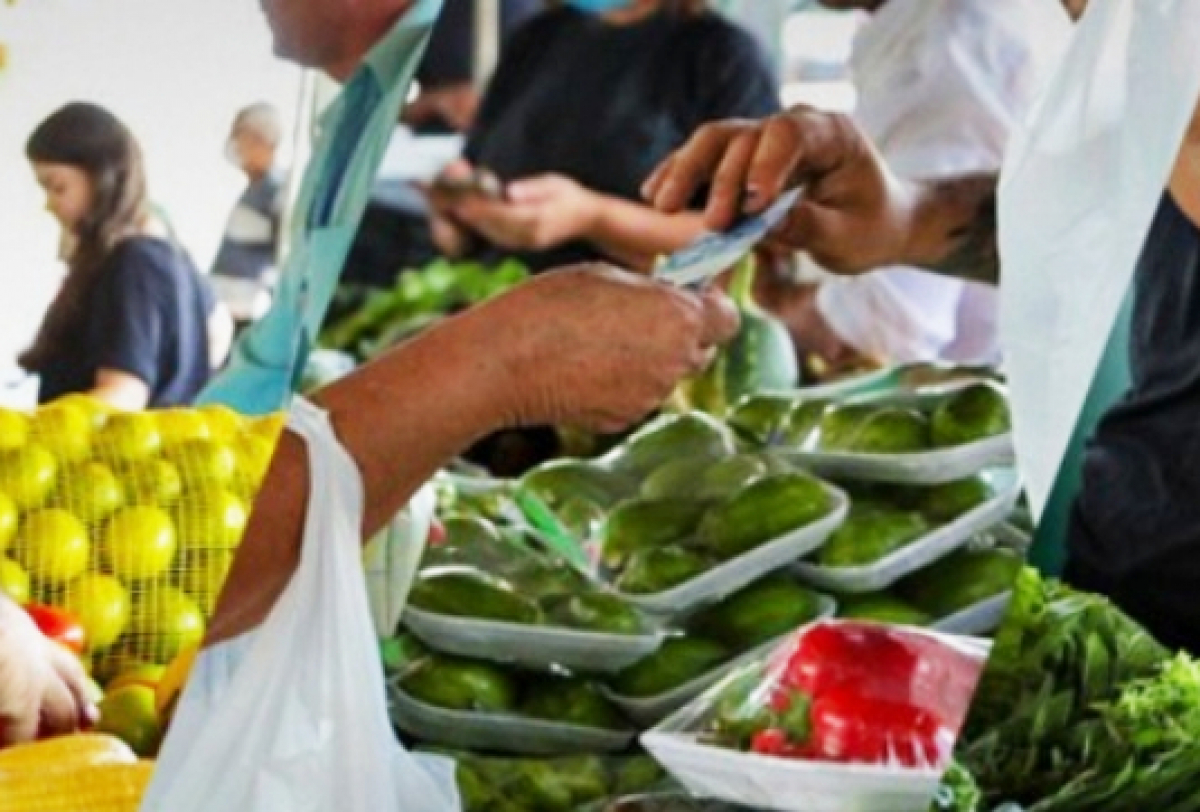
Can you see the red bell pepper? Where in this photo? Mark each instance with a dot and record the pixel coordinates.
(865, 657)
(878, 662)
(59, 625)
(847, 727)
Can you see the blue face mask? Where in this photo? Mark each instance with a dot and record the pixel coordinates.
(597, 6)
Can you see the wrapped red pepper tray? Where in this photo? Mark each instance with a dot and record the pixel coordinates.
(870, 710)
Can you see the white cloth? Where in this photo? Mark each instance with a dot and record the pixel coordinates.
(941, 86)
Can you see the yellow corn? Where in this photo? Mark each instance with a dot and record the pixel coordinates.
(92, 788)
(70, 752)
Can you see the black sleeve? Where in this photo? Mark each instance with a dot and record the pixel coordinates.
(518, 64)
(130, 311)
(731, 73)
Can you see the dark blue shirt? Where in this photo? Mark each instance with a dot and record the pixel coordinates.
(1135, 531)
(604, 104)
(148, 317)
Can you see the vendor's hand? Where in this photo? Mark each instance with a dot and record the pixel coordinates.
(42, 685)
(537, 213)
(598, 348)
(854, 215)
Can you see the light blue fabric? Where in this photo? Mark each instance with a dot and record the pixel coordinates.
(597, 6)
(1048, 553)
(269, 358)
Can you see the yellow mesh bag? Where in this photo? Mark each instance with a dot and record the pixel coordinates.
(127, 520)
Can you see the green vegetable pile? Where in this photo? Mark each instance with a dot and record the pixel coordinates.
(1079, 710)
(417, 300)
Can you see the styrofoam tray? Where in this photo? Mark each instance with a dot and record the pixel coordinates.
(653, 709)
(499, 732)
(879, 380)
(730, 576)
(765, 782)
(917, 468)
(532, 646)
(931, 467)
(885, 381)
(982, 618)
(792, 785)
(922, 552)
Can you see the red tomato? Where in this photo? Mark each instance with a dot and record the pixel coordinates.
(59, 625)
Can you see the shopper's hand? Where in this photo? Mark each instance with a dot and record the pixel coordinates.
(594, 347)
(854, 214)
(536, 214)
(42, 685)
(450, 237)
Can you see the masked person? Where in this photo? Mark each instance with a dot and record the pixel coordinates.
(587, 97)
(588, 346)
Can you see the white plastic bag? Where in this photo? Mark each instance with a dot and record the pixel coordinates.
(292, 717)
(392, 558)
(1078, 193)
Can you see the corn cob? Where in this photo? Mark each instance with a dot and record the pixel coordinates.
(93, 788)
(65, 751)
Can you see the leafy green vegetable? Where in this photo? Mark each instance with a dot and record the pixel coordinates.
(1080, 709)
(958, 792)
(417, 299)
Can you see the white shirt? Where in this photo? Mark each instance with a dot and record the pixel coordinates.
(941, 85)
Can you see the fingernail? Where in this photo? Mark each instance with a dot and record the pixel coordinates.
(750, 197)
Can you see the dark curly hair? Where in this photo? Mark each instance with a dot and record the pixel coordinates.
(89, 138)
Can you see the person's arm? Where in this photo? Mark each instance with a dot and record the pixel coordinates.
(953, 228)
(635, 235)
(42, 686)
(543, 212)
(855, 214)
(120, 389)
(590, 347)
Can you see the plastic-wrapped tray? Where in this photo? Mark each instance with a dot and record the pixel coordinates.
(765, 782)
(791, 785)
(982, 618)
(924, 551)
(653, 709)
(532, 646)
(891, 379)
(919, 468)
(730, 576)
(498, 732)
(932, 467)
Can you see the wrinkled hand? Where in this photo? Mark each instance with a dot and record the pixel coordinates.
(854, 214)
(598, 348)
(537, 213)
(42, 685)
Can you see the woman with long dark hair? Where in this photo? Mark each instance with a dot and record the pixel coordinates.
(131, 322)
